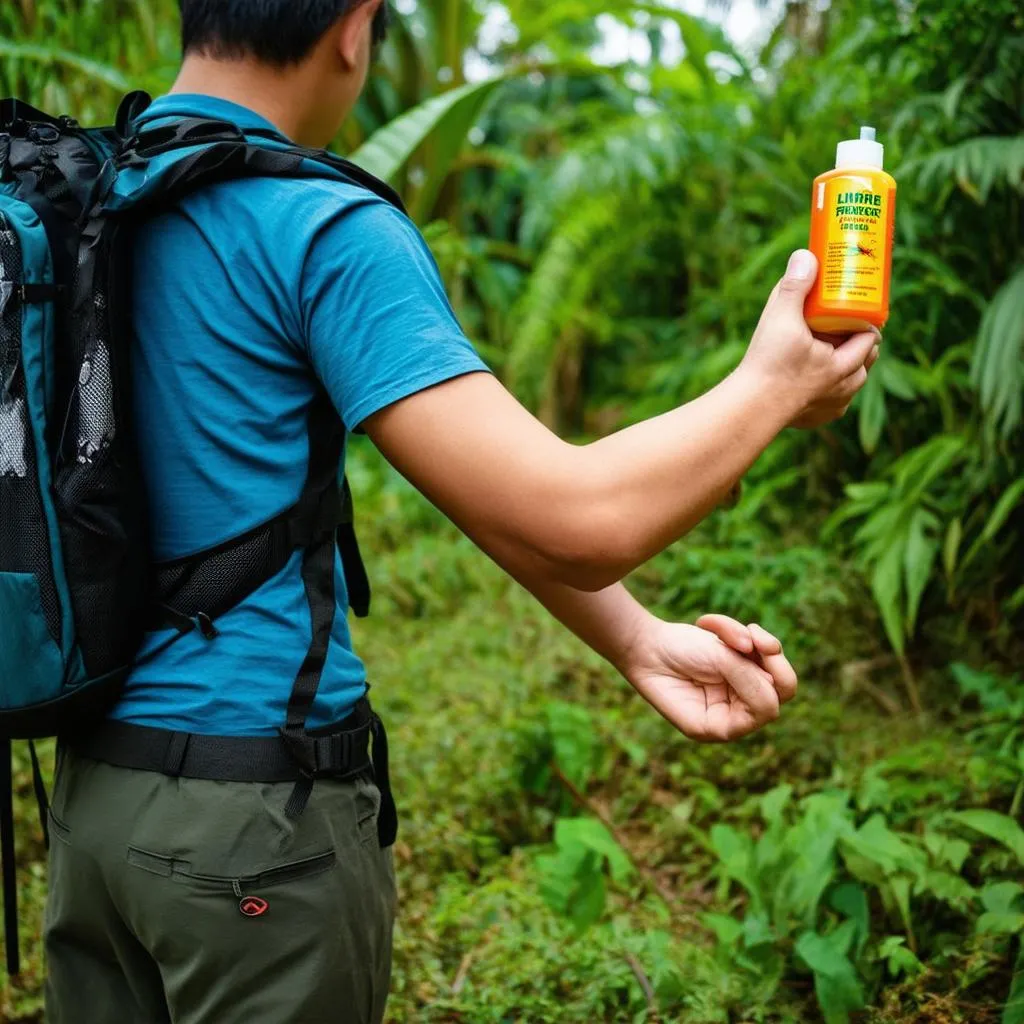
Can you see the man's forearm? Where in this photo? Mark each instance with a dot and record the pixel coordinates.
(608, 621)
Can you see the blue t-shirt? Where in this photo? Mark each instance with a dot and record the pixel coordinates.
(245, 296)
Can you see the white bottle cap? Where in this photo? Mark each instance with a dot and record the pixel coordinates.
(862, 152)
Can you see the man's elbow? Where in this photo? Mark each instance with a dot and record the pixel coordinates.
(593, 551)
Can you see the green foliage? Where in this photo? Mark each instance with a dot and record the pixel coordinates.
(997, 369)
(835, 979)
(440, 124)
(609, 236)
(572, 879)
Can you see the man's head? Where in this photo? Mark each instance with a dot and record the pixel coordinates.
(324, 46)
(277, 32)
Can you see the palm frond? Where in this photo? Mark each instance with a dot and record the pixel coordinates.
(627, 154)
(978, 165)
(998, 367)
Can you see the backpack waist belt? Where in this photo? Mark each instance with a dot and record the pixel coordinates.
(340, 752)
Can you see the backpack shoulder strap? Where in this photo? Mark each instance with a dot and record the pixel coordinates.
(223, 152)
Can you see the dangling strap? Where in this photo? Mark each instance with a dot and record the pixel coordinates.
(356, 579)
(387, 820)
(42, 801)
(10, 878)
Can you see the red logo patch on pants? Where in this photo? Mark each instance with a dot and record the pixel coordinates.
(253, 906)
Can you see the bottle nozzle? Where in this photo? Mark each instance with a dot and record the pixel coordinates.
(866, 151)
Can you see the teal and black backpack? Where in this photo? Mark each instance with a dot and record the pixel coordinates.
(77, 586)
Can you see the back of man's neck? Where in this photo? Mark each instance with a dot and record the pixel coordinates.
(255, 87)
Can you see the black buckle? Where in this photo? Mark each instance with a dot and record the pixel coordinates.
(317, 756)
(303, 751)
(43, 134)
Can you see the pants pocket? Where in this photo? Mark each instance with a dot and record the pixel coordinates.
(368, 803)
(181, 870)
(58, 829)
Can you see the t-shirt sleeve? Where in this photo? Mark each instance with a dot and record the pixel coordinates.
(377, 321)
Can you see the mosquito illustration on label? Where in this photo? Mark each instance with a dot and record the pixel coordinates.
(862, 250)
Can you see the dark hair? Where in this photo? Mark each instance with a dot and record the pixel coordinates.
(278, 32)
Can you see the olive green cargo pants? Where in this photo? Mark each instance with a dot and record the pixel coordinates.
(183, 901)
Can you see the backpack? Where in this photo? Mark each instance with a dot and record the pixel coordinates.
(77, 586)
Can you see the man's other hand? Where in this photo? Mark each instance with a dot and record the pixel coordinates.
(716, 681)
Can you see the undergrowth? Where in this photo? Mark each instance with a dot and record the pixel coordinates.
(565, 856)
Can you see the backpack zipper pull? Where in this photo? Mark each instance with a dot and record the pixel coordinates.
(206, 626)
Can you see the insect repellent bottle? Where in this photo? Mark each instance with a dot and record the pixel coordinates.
(852, 213)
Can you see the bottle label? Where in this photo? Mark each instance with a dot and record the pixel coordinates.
(854, 258)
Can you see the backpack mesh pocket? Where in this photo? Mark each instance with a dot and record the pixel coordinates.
(98, 486)
(24, 537)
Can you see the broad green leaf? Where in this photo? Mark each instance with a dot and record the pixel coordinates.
(736, 852)
(944, 885)
(727, 929)
(590, 834)
(572, 884)
(871, 416)
(887, 587)
(836, 983)
(880, 857)
(999, 827)
(992, 692)
(900, 888)
(918, 560)
(916, 470)
(999, 923)
(774, 802)
(444, 122)
(869, 494)
(809, 872)
(946, 850)
(843, 937)
(1009, 500)
(573, 740)
(559, 876)
(852, 900)
(587, 900)
(757, 931)
(897, 378)
(1002, 897)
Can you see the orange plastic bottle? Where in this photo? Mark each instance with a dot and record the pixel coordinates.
(852, 212)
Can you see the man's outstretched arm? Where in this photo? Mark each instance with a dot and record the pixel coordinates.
(586, 516)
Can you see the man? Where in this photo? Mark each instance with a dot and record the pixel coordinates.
(203, 901)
